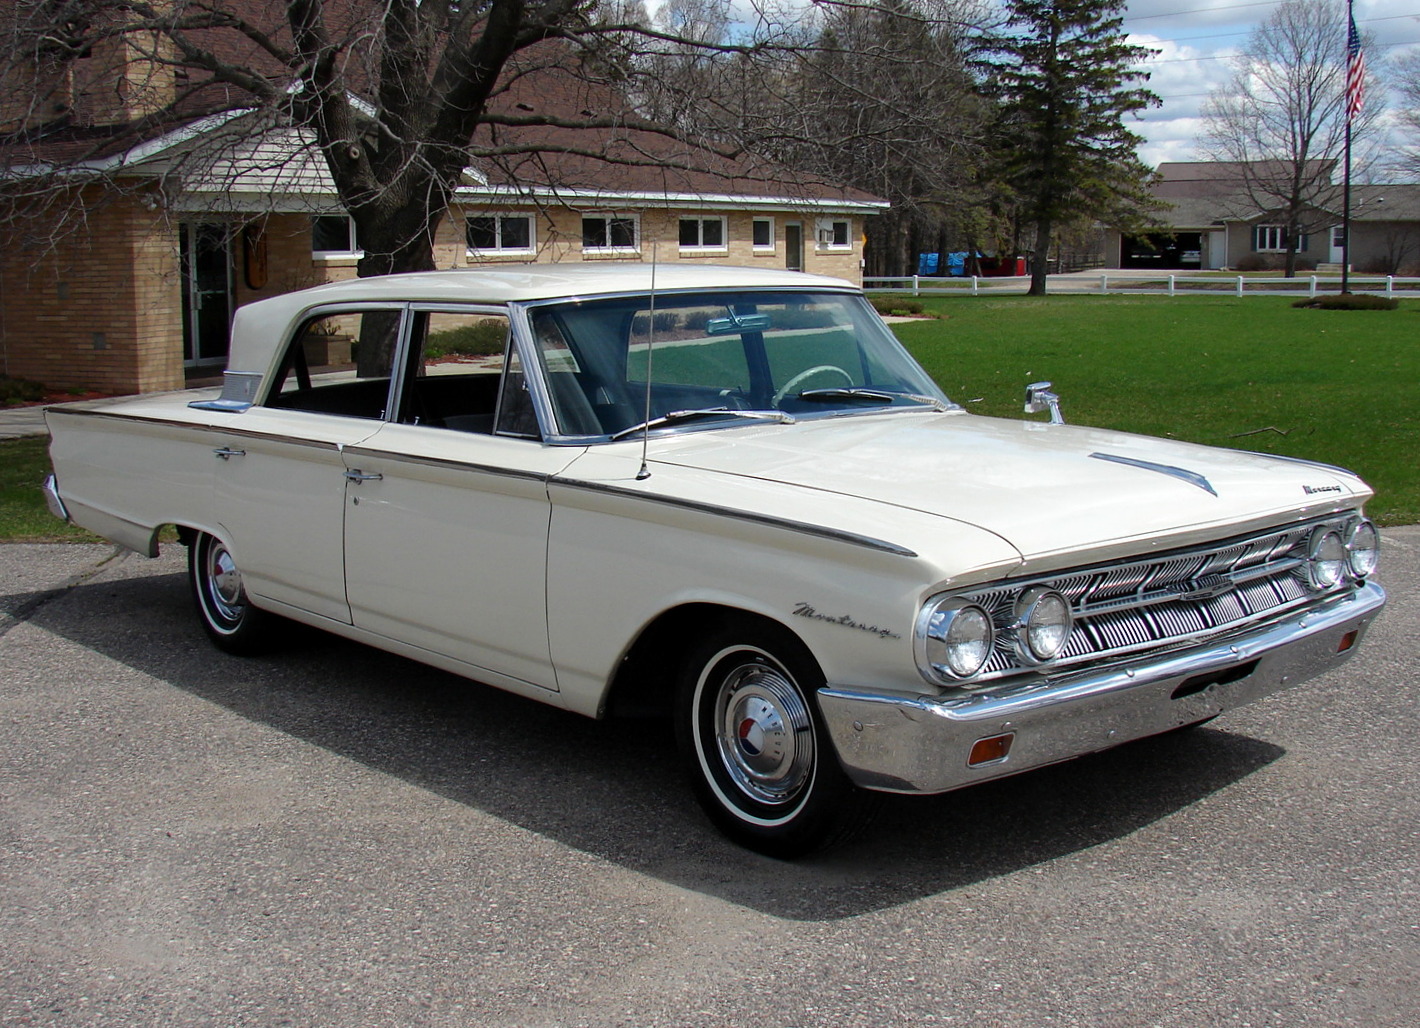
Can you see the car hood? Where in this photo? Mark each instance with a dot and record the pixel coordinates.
(1045, 489)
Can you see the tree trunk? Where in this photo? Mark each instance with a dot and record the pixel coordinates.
(1040, 266)
(394, 242)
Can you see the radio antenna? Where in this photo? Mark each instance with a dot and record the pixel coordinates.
(645, 471)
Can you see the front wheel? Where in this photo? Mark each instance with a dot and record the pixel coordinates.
(753, 741)
(227, 615)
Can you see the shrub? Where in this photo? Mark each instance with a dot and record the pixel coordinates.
(15, 391)
(480, 339)
(1349, 302)
(896, 305)
(1257, 262)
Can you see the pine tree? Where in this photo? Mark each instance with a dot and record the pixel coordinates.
(1062, 75)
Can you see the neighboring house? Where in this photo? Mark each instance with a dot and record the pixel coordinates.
(200, 218)
(1211, 224)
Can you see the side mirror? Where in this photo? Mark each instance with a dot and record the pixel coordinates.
(1039, 398)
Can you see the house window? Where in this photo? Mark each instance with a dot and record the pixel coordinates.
(1273, 239)
(1338, 236)
(702, 234)
(763, 234)
(610, 233)
(499, 234)
(333, 235)
(834, 235)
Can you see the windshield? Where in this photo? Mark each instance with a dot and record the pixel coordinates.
(718, 355)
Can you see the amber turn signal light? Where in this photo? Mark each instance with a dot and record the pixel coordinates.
(1347, 641)
(988, 751)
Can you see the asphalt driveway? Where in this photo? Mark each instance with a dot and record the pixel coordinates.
(331, 836)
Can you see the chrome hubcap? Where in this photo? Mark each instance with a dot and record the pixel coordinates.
(764, 734)
(225, 583)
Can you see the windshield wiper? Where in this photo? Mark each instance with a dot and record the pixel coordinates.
(671, 417)
(860, 393)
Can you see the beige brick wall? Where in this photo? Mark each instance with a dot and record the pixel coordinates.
(559, 240)
(103, 311)
(100, 311)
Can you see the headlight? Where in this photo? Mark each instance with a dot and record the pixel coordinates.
(959, 637)
(1043, 624)
(1363, 548)
(1326, 558)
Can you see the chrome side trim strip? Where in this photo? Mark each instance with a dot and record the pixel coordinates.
(222, 430)
(801, 527)
(356, 452)
(1182, 474)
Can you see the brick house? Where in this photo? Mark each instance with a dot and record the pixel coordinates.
(1210, 224)
(202, 216)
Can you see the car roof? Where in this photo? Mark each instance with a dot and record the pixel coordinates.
(259, 327)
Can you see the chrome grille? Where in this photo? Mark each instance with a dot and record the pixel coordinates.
(1167, 600)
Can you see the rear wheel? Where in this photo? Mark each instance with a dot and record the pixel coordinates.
(227, 615)
(753, 741)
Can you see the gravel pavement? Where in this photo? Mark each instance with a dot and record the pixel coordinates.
(331, 836)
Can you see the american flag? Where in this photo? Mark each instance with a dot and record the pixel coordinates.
(1355, 70)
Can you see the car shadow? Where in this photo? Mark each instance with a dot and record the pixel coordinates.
(615, 789)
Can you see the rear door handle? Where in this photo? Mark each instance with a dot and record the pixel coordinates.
(226, 452)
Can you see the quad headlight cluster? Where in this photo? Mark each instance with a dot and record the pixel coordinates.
(1006, 628)
(1335, 555)
(958, 635)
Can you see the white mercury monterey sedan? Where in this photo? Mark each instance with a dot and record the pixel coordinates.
(731, 498)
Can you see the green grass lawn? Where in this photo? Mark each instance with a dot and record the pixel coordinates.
(1252, 373)
(23, 516)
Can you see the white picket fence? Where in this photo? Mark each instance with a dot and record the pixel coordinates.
(1162, 285)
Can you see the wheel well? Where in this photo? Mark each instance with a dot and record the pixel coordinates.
(644, 684)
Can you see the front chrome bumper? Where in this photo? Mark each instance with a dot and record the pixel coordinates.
(912, 743)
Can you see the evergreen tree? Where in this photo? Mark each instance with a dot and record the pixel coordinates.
(1062, 75)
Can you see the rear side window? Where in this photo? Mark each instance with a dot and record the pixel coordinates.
(339, 364)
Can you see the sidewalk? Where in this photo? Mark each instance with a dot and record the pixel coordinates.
(20, 422)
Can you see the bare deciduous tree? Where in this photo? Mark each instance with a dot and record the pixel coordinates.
(1280, 121)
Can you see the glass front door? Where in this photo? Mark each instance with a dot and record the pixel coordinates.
(205, 250)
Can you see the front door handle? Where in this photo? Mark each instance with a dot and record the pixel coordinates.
(226, 452)
(356, 475)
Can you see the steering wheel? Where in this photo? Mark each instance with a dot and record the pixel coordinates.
(794, 382)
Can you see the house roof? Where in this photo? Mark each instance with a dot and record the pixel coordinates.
(1207, 194)
(220, 165)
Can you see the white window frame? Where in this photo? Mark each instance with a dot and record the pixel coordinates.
(631, 250)
(773, 238)
(825, 236)
(351, 251)
(1276, 234)
(499, 250)
(700, 221)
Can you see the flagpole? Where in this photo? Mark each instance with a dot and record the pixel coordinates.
(1351, 99)
(1346, 211)
(1345, 202)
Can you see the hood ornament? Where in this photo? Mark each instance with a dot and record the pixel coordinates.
(1182, 474)
(1039, 398)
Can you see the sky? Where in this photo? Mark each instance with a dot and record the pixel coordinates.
(1196, 37)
